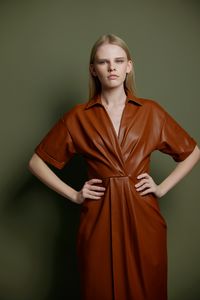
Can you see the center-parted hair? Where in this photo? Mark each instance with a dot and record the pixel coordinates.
(94, 83)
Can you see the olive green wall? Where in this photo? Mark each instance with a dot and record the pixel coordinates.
(44, 52)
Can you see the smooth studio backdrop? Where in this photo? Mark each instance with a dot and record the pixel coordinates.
(44, 54)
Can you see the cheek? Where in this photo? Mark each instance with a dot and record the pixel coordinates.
(126, 69)
(123, 71)
(100, 73)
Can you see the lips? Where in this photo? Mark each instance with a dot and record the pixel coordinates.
(113, 76)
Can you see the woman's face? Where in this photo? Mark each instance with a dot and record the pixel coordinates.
(110, 66)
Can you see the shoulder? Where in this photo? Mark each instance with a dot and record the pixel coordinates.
(152, 106)
(152, 112)
(150, 103)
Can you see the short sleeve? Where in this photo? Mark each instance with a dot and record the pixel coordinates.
(57, 147)
(174, 140)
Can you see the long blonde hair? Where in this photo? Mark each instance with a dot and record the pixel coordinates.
(94, 83)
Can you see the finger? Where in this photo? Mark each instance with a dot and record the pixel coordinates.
(141, 182)
(93, 197)
(143, 175)
(95, 193)
(87, 192)
(96, 188)
(147, 191)
(94, 180)
(92, 194)
(143, 187)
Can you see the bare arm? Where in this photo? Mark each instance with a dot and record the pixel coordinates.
(41, 170)
(147, 185)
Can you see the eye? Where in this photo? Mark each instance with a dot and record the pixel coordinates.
(101, 62)
(120, 60)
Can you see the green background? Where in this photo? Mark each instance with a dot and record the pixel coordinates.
(44, 53)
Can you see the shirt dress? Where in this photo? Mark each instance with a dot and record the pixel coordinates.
(121, 241)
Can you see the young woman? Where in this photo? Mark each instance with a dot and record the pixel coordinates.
(121, 243)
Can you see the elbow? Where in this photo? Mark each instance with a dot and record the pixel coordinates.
(198, 153)
(32, 163)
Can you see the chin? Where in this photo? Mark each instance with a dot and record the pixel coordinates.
(114, 85)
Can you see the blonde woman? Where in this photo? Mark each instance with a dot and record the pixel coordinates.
(121, 242)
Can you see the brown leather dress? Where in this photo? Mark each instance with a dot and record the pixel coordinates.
(121, 243)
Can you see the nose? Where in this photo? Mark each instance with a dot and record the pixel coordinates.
(111, 67)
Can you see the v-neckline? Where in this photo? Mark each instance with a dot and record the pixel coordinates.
(116, 134)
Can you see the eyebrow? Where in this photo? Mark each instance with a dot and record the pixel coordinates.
(121, 57)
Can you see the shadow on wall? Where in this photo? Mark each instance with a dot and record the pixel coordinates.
(38, 231)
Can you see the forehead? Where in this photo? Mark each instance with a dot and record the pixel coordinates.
(110, 50)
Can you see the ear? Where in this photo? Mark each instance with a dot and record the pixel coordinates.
(92, 70)
(129, 67)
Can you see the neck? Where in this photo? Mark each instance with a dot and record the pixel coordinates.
(113, 96)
